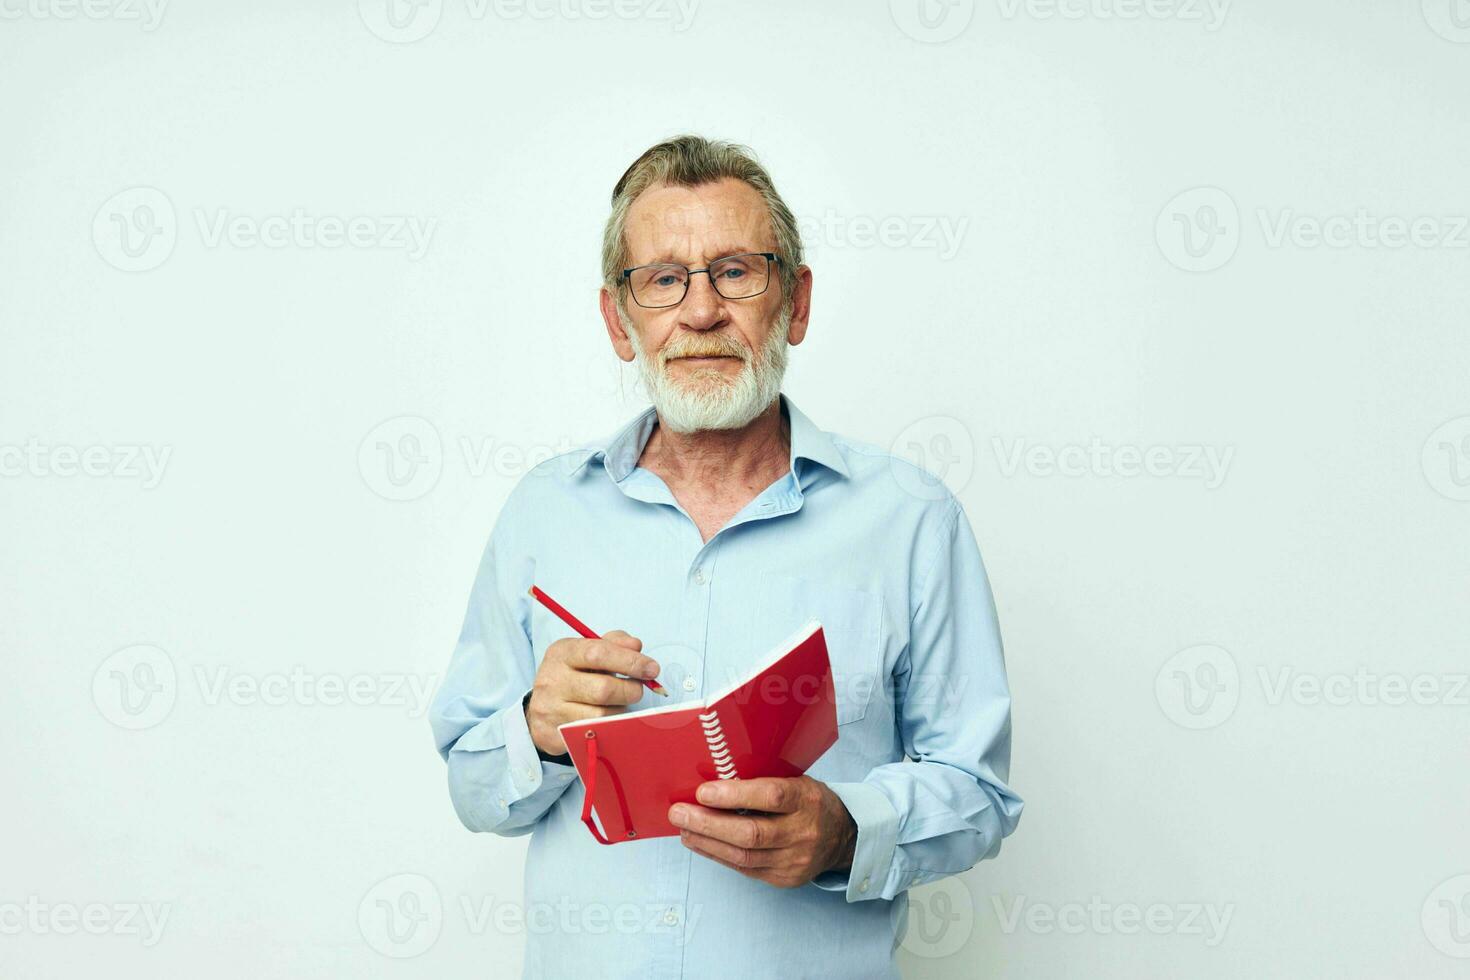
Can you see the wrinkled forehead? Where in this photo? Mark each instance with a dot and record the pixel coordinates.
(696, 224)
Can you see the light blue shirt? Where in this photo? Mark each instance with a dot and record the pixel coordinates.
(881, 554)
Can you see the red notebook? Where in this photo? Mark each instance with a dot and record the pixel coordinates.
(635, 766)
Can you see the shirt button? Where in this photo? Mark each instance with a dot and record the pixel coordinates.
(864, 885)
(699, 576)
(688, 683)
(672, 917)
(501, 801)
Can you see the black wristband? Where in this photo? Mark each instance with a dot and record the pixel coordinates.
(564, 759)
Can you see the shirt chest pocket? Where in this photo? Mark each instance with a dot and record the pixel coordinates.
(852, 625)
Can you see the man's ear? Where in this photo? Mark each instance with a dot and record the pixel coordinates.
(621, 342)
(801, 305)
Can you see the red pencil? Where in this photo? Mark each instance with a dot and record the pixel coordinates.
(581, 628)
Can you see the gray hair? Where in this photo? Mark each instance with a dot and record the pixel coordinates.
(692, 161)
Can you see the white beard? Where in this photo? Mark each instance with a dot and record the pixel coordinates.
(710, 399)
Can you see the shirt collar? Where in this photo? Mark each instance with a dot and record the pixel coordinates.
(619, 452)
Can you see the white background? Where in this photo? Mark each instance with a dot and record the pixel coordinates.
(1150, 620)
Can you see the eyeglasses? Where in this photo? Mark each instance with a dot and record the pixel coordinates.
(665, 284)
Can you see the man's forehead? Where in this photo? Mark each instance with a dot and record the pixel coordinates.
(687, 220)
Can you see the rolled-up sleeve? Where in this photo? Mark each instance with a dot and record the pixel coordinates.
(949, 807)
(497, 780)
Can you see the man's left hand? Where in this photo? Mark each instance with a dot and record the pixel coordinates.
(799, 829)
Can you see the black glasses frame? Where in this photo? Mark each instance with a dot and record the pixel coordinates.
(770, 257)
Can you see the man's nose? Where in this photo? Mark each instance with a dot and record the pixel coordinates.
(703, 306)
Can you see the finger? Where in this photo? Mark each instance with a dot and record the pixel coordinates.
(574, 711)
(611, 657)
(588, 687)
(768, 794)
(775, 877)
(624, 639)
(742, 830)
(731, 856)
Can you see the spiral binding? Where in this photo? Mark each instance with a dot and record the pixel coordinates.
(714, 735)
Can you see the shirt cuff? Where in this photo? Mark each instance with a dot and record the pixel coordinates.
(528, 772)
(877, 838)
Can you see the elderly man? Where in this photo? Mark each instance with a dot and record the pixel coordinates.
(713, 525)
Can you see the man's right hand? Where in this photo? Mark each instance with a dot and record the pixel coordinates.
(575, 681)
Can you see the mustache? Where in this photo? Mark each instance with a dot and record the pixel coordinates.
(705, 347)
